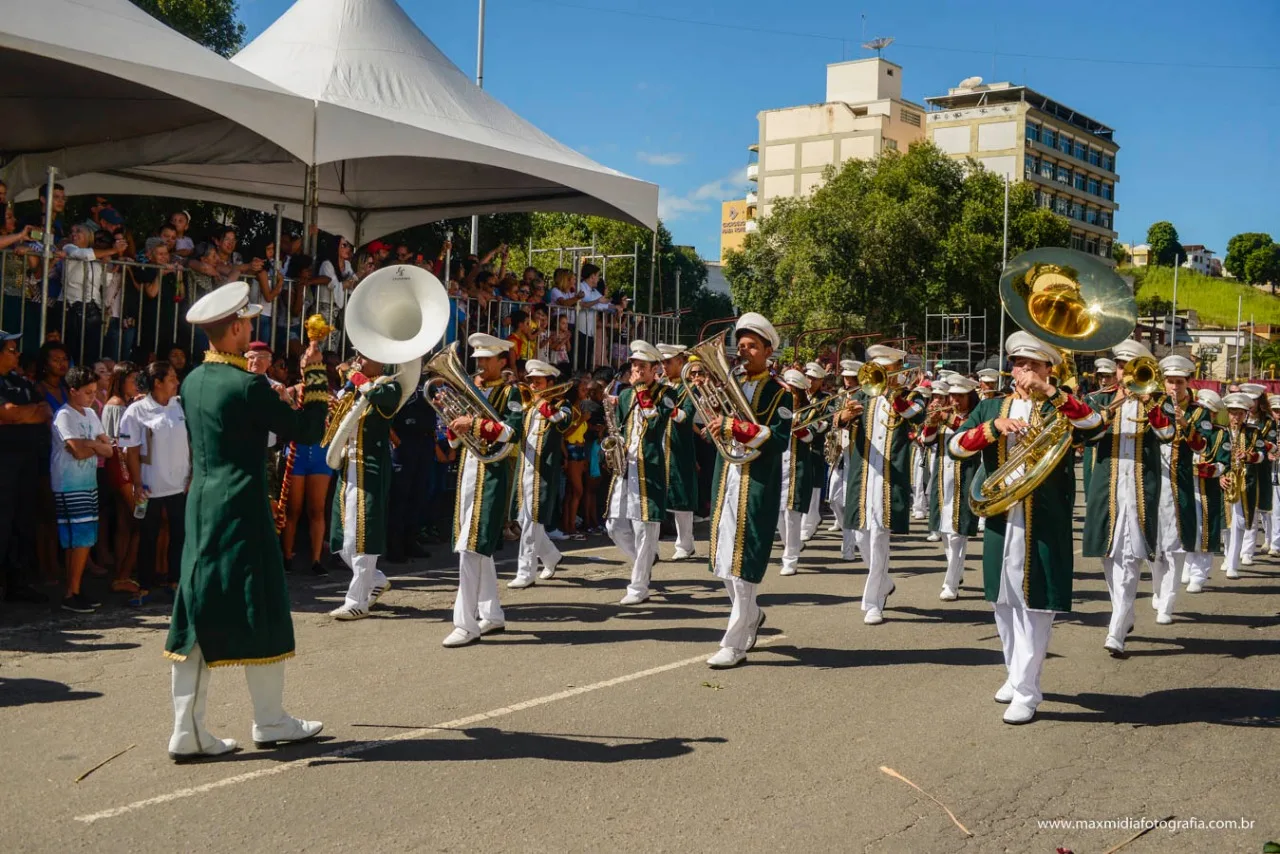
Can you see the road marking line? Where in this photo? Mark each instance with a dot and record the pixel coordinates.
(366, 746)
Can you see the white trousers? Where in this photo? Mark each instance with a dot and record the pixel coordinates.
(851, 540)
(874, 545)
(812, 516)
(791, 524)
(684, 529)
(1198, 565)
(836, 503)
(1249, 542)
(744, 616)
(639, 542)
(190, 687)
(1236, 536)
(1121, 570)
(1024, 635)
(1166, 569)
(919, 488)
(365, 575)
(535, 546)
(954, 545)
(477, 593)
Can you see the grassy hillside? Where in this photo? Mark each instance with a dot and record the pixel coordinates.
(1214, 299)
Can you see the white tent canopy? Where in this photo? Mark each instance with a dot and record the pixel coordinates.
(87, 85)
(401, 136)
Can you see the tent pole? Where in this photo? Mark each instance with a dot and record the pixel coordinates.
(277, 267)
(653, 266)
(45, 250)
(475, 220)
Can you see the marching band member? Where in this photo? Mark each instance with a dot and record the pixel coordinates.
(949, 511)
(1123, 501)
(638, 493)
(538, 484)
(919, 458)
(1177, 528)
(1210, 465)
(988, 383)
(1105, 372)
(484, 494)
(746, 497)
(1027, 553)
(1247, 449)
(682, 471)
(797, 474)
(358, 519)
(232, 602)
(939, 398)
(836, 479)
(878, 480)
(817, 377)
(1272, 522)
(1262, 420)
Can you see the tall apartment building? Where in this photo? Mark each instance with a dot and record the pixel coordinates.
(862, 115)
(1069, 157)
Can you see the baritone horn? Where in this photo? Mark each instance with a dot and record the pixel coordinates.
(1076, 303)
(716, 394)
(874, 380)
(453, 395)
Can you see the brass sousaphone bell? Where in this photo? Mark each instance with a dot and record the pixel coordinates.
(1077, 303)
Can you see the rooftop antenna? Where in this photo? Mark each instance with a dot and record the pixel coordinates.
(878, 45)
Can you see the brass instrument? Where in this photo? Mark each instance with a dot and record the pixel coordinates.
(718, 395)
(1072, 301)
(874, 380)
(615, 452)
(533, 397)
(453, 395)
(1233, 482)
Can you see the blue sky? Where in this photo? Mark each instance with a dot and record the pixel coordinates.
(675, 102)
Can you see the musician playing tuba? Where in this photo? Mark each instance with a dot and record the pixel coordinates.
(1124, 492)
(1027, 550)
(1210, 464)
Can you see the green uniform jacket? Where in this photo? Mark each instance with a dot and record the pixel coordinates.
(1101, 511)
(897, 476)
(1097, 401)
(373, 474)
(548, 455)
(489, 485)
(1183, 480)
(1209, 489)
(761, 496)
(651, 465)
(1250, 439)
(963, 520)
(1267, 432)
(801, 476)
(232, 596)
(1047, 518)
(682, 470)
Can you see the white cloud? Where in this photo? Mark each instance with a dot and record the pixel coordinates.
(660, 159)
(673, 206)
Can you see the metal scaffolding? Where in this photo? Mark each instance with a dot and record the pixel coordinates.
(955, 340)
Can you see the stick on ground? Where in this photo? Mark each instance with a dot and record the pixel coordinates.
(886, 769)
(105, 761)
(1142, 832)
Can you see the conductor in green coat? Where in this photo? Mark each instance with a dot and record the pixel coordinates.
(681, 454)
(232, 604)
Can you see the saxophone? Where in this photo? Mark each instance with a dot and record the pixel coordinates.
(1233, 480)
(615, 452)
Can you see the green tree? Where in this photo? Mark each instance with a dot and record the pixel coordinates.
(1119, 254)
(212, 23)
(1262, 266)
(884, 240)
(1239, 248)
(1166, 249)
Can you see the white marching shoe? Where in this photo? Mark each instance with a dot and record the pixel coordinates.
(349, 612)
(190, 741)
(1273, 552)
(489, 627)
(633, 598)
(1195, 587)
(548, 572)
(1019, 714)
(459, 637)
(755, 633)
(291, 730)
(834, 527)
(1005, 694)
(1233, 573)
(1164, 619)
(1246, 561)
(948, 594)
(520, 582)
(873, 617)
(1113, 646)
(787, 570)
(727, 657)
(266, 688)
(681, 554)
(933, 537)
(1186, 575)
(378, 592)
(207, 750)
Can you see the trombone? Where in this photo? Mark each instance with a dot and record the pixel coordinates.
(819, 409)
(530, 396)
(875, 380)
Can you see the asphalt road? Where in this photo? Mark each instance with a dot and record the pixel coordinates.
(590, 727)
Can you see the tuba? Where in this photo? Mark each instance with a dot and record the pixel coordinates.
(394, 316)
(452, 394)
(1076, 303)
(718, 395)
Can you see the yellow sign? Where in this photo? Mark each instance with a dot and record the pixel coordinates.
(733, 217)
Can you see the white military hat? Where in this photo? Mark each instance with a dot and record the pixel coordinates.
(1238, 400)
(670, 351)
(989, 375)
(849, 367)
(947, 374)
(940, 387)
(1209, 399)
(795, 379)
(1274, 401)
(961, 384)
(1254, 390)
(884, 355)
(539, 368)
(643, 351)
(1028, 346)
(759, 324)
(1104, 366)
(231, 299)
(1128, 350)
(1177, 366)
(815, 371)
(483, 345)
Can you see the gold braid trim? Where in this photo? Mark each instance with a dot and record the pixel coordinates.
(315, 395)
(234, 662)
(217, 357)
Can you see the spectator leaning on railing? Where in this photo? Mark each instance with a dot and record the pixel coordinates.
(82, 280)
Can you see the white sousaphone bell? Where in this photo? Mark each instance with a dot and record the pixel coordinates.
(396, 315)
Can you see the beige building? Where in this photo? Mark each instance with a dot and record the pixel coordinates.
(1016, 131)
(733, 226)
(863, 114)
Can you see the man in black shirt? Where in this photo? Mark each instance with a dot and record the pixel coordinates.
(24, 438)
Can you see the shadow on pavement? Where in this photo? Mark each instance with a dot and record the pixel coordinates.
(823, 658)
(25, 692)
(1243, 707)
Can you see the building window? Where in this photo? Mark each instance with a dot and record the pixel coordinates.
(1091, 216)
(1033, 132)
(1079, 181)
(1091, 245)
(1095, 157)
(1031, 164)
(1104, 248)
(1081, 151)
(1062, 206)
(910, 118)
(1108, 163)
(1093, 187)
(1107, 191)
(1046, 169)
(1049, 137)
(1104, 219)
(891, 144)
(1064, 174)
(1064, 145)
(1077, 241)
(1044, 200)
